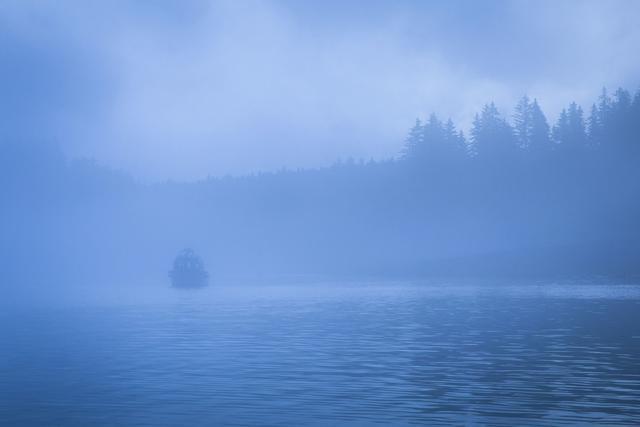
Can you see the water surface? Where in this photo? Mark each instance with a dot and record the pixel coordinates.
(327, 354)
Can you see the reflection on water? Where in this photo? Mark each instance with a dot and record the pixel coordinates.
(501, 355)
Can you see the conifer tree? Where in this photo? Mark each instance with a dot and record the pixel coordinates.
(455, 139)
(594, 127)
(522, 122)
(604, 108)
(561, 128)
(578, 135)
(540, 138)
(620, 129)
(569, 132)
(413, 141)
(493, 138)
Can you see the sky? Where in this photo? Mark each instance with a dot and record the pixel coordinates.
(183, 89)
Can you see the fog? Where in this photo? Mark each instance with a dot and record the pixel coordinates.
(187, 90)
(279, 140)
(319, 213)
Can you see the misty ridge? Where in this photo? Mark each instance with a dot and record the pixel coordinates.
(519, 195)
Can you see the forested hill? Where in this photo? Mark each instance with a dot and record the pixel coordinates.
(517, 196)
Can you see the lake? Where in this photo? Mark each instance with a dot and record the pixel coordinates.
(327, 354)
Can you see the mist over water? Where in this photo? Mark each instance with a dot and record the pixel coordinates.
(347, 213)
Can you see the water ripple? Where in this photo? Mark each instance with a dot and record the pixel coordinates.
(377, 355)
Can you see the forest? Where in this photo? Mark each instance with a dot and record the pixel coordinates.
(519, 195)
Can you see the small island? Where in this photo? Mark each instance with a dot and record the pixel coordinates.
(188, 271)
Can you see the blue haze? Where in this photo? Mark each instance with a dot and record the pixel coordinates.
(410, 212)
(183, 90)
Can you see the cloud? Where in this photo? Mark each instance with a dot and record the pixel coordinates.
(188, 89)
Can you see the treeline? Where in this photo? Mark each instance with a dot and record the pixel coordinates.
(518, 196)
(611, 128)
